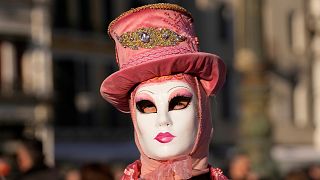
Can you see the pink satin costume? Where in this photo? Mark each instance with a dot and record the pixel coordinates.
(146, 53)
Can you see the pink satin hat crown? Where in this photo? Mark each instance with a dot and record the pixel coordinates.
(157, 40)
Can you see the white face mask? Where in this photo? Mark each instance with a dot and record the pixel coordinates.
(166, 119)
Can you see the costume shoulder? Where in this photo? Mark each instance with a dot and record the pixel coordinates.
(132, 171)
(217, 174)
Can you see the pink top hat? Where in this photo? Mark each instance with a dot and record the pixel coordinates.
(157, 40)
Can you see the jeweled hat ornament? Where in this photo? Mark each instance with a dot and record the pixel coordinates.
(157, 40)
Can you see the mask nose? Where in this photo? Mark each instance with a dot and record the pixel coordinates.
(163, 118)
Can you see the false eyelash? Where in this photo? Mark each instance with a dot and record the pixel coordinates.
(180, 95)
(143, 99)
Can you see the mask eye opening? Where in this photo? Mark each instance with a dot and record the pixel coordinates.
(146, 107)
(179, 103)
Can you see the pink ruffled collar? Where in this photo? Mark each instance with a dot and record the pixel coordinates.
(132, 172)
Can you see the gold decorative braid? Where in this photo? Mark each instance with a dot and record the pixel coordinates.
(165, 6)
(150, 38)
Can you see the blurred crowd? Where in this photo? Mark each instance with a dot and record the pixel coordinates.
(30, 162)
(240, 169)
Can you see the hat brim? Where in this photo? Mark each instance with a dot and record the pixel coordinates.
(209, 68)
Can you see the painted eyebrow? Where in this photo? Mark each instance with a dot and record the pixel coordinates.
(184, 92)
(143, 96)
(178, 87)
(144, 91)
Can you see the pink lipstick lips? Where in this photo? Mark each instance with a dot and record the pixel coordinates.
(164, 137)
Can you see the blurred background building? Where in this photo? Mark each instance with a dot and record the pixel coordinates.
(54, 54)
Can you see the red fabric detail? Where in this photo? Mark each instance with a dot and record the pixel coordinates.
(217, 174)
(132, 172)
(154, 55)
(168, 170)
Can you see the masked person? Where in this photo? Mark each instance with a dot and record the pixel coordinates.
(165, 83)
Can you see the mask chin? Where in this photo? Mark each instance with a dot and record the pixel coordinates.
(170, 155)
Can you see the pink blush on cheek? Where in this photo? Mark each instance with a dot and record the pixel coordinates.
(143, 96)
(180, 92)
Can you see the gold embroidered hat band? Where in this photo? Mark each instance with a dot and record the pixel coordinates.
(150, 38)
